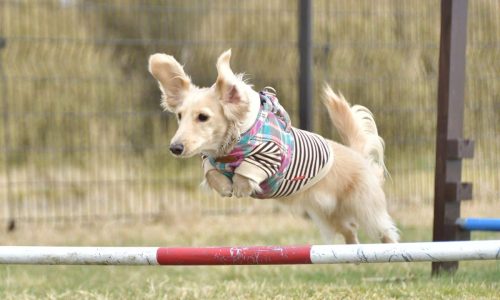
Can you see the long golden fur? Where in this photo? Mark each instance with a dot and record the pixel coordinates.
(210, 119)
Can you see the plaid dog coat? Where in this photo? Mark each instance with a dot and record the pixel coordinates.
(281, 158)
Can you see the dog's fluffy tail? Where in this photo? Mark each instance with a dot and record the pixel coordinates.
(357, 129)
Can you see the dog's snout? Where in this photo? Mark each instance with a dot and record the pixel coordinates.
(176, 149)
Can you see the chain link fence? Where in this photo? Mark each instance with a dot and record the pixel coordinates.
(83, 137)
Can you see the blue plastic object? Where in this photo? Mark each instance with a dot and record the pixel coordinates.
(479, 224)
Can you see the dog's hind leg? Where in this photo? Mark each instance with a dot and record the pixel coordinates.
(390, 234)
(325, 228)
(349, 230)
(388, 239)
(382, 226)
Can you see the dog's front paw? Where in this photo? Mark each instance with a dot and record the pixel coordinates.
(243, 186)
(219, 182)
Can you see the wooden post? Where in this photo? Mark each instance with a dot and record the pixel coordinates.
(450, 145)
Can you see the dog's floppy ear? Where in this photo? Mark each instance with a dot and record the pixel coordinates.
(174, 82)
(226, 80)
(227, 86)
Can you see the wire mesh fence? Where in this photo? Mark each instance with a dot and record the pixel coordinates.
(83, 137)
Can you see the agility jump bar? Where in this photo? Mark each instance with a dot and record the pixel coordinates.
(479, 224)
(255, 255)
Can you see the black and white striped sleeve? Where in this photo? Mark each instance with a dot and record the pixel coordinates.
(260, 164)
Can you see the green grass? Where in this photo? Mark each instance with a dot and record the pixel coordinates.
(474, 280)
(478, 280)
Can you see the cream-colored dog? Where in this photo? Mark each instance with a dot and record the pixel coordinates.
(347, 197)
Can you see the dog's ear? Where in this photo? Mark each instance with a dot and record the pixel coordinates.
(228, 88)
(226, 80)
(174, 82)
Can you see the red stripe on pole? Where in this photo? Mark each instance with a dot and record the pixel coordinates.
(259, 255)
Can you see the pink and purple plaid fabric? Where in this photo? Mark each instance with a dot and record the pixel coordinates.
(272, 125)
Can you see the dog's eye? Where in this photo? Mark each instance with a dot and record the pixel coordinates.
(202, 117)
(179, 116)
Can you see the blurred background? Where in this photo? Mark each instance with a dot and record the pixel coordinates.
(83, 138)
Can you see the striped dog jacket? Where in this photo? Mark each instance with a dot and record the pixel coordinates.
(281, 158)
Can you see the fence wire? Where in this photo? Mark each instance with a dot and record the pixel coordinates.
(83, 137)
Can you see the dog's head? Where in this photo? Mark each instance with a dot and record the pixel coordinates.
(210, 118)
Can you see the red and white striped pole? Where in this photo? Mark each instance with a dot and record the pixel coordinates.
(257, 255)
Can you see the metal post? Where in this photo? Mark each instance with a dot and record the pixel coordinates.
(11, 223)
(450, 146)
(306, 62)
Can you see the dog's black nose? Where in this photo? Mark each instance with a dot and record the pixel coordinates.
(176, 149)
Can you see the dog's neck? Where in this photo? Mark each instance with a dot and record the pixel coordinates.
(235, 130)
(253, 110)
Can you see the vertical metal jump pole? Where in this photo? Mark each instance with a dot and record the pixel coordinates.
(306, 62)
(450, 145)
(6, 140)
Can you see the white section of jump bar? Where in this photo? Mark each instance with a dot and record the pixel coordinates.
(406, 252)
(78, 255)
